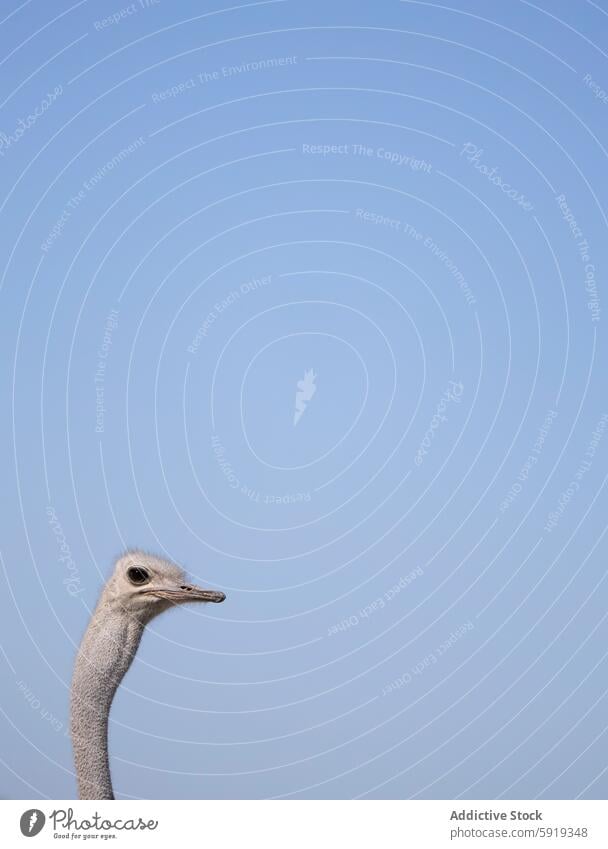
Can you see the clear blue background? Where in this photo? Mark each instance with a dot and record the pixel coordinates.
(265, 696)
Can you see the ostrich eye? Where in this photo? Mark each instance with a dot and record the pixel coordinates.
(137, 575)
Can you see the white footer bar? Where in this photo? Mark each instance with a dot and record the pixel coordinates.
(307, 824)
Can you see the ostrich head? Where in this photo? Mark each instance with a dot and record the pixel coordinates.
(144, 585)
(140, 587)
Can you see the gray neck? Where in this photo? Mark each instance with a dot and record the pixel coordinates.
(107, 649)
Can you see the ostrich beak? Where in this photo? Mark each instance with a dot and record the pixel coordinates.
(187, 592)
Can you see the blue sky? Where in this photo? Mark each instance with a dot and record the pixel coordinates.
(404, 201)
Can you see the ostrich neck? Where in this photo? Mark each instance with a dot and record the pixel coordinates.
(107, 649)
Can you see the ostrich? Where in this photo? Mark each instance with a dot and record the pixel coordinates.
(140, 587)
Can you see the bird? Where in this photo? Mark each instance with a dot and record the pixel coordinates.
(141, 586)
